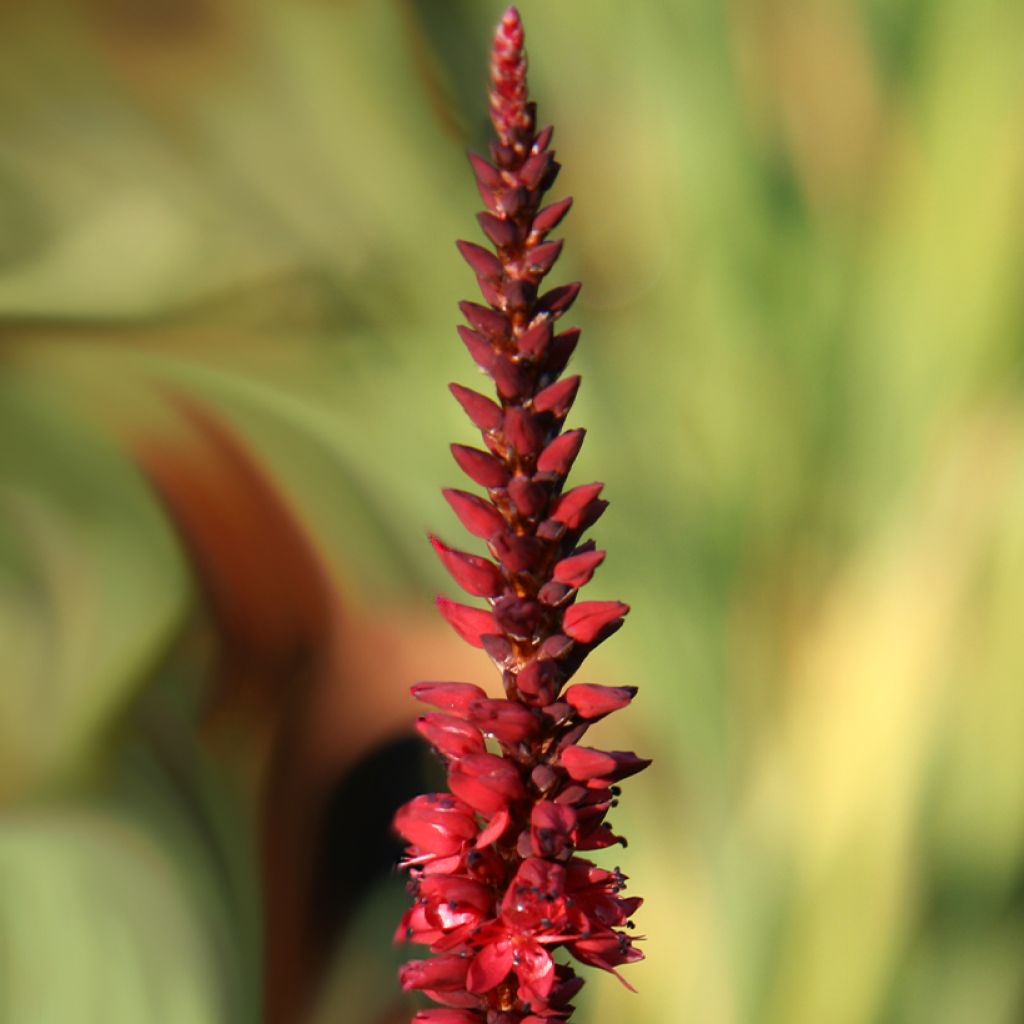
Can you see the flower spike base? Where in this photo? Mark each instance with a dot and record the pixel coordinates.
(497, 865)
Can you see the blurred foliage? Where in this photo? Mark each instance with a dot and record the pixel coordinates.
(227, 290)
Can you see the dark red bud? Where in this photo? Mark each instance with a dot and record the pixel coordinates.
(486, 782)
(553, 594)
(504, 720)
(585, 621)
(481, 467)
(534, 341)
(550, 217)
(480, 517)
(488, 322)
(482, 262)
(436, 823)
(562, 347)
(584, 764)
(512, 201)
(557, 398)
(480, 350)
(532, 173)
(555, 647)
(519, 618)
(591, 701)
(541, 258)
(530, 499)
(483, 413)
(476, 575)
(543, 139)
(540, 680)
(444, 973)
(516, 554)
(514, 380)
(559, 299)
(577, 570)
(485, 173)
(472, 624)
(455, 697)
(501, 233)
(559, 456)
(523, 432)
(571, 504)
(451, 736)
(499, 650)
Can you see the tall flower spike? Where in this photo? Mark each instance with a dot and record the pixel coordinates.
(496, 871)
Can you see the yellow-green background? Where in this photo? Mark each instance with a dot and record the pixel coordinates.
(800, 228)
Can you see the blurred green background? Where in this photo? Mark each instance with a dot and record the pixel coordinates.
(227, 308)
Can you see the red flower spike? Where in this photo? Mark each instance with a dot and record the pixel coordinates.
(496, 870)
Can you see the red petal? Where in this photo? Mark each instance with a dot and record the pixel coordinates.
(480, 350)
(577, 570)
(558, 397)
(436, 823)
(491, 324)
(559, 456)
(481, 467)
(523, 432)
(451, 736)
(550, 217)
(572, 503)
(534, 341)
(504, 720)
(542, 258)
(486, 782)
(585, 764)
(483, 263)
(455, 697)
(558, 300)
(501, 233)
(478, 516)
(476, 575)
(585, 621)
(442, 972)
(592, 701)
(470, 623)
(448, 1017)
(490, 967)
(483, 413)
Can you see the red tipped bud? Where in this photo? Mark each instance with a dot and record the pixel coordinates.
(591, 701)
(480, 350)
(451, 736)
(577, 570)
(557, 398)
(550, 217)
(455, 697)
(572, 504)
(485, 782)
(584, 764)
(470, 623)
(480, 517)
(501, 233)
(523, 432)
(585, 621)
(476, 575)
(559, 299)
(482, 262)
(504, 720)
(559, 456)
(541, 258)
(482, 468)
(436, 823)
(534, 341)
(484, 414)
(490, 324)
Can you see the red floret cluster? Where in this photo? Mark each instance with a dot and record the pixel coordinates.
(496, 874)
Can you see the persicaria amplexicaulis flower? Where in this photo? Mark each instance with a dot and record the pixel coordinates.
(496, 871)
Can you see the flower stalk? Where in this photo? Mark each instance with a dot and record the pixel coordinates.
(496, 871)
